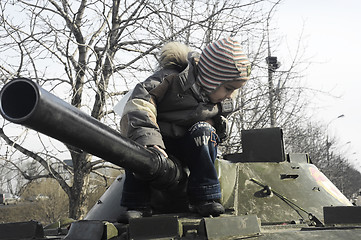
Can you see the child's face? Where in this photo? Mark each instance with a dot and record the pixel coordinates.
(225, 90)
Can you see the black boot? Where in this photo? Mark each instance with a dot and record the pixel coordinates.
(207, 208)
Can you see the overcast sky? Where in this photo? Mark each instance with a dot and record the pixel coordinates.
(332, 37)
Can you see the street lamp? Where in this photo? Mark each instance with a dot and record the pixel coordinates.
(328, 144)
(273, 64)
(340, 116)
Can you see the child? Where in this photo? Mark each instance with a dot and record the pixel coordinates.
(176, 110)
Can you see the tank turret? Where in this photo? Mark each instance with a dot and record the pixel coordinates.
(267, 193)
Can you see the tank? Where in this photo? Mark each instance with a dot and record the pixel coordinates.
(267, 193)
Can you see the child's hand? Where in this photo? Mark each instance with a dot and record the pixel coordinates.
(160, 150)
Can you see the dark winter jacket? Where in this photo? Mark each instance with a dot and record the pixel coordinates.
(167, 103)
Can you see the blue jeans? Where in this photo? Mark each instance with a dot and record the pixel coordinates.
(198, 151)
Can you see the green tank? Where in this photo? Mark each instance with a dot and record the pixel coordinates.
(267, 193)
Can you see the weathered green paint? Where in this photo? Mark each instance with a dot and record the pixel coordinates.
(230, 227)
(300, 183)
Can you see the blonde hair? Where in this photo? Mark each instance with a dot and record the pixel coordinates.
(174, 55)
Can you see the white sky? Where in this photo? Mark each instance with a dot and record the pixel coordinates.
(332, 35)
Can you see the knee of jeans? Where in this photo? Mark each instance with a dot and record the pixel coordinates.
(201, 128)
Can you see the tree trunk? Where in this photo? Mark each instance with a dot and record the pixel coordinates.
(79, 189)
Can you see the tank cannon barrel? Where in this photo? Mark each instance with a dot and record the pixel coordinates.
(24, 102)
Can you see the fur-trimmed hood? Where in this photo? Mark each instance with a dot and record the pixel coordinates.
(174, 55)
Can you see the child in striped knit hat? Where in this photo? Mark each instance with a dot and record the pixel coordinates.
(222, 64)
(175, 111)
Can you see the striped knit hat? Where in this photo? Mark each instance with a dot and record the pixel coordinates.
(222, 61)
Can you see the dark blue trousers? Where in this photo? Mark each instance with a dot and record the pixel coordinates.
(198, 151)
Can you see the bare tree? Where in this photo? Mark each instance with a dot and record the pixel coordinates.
(90, 52)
